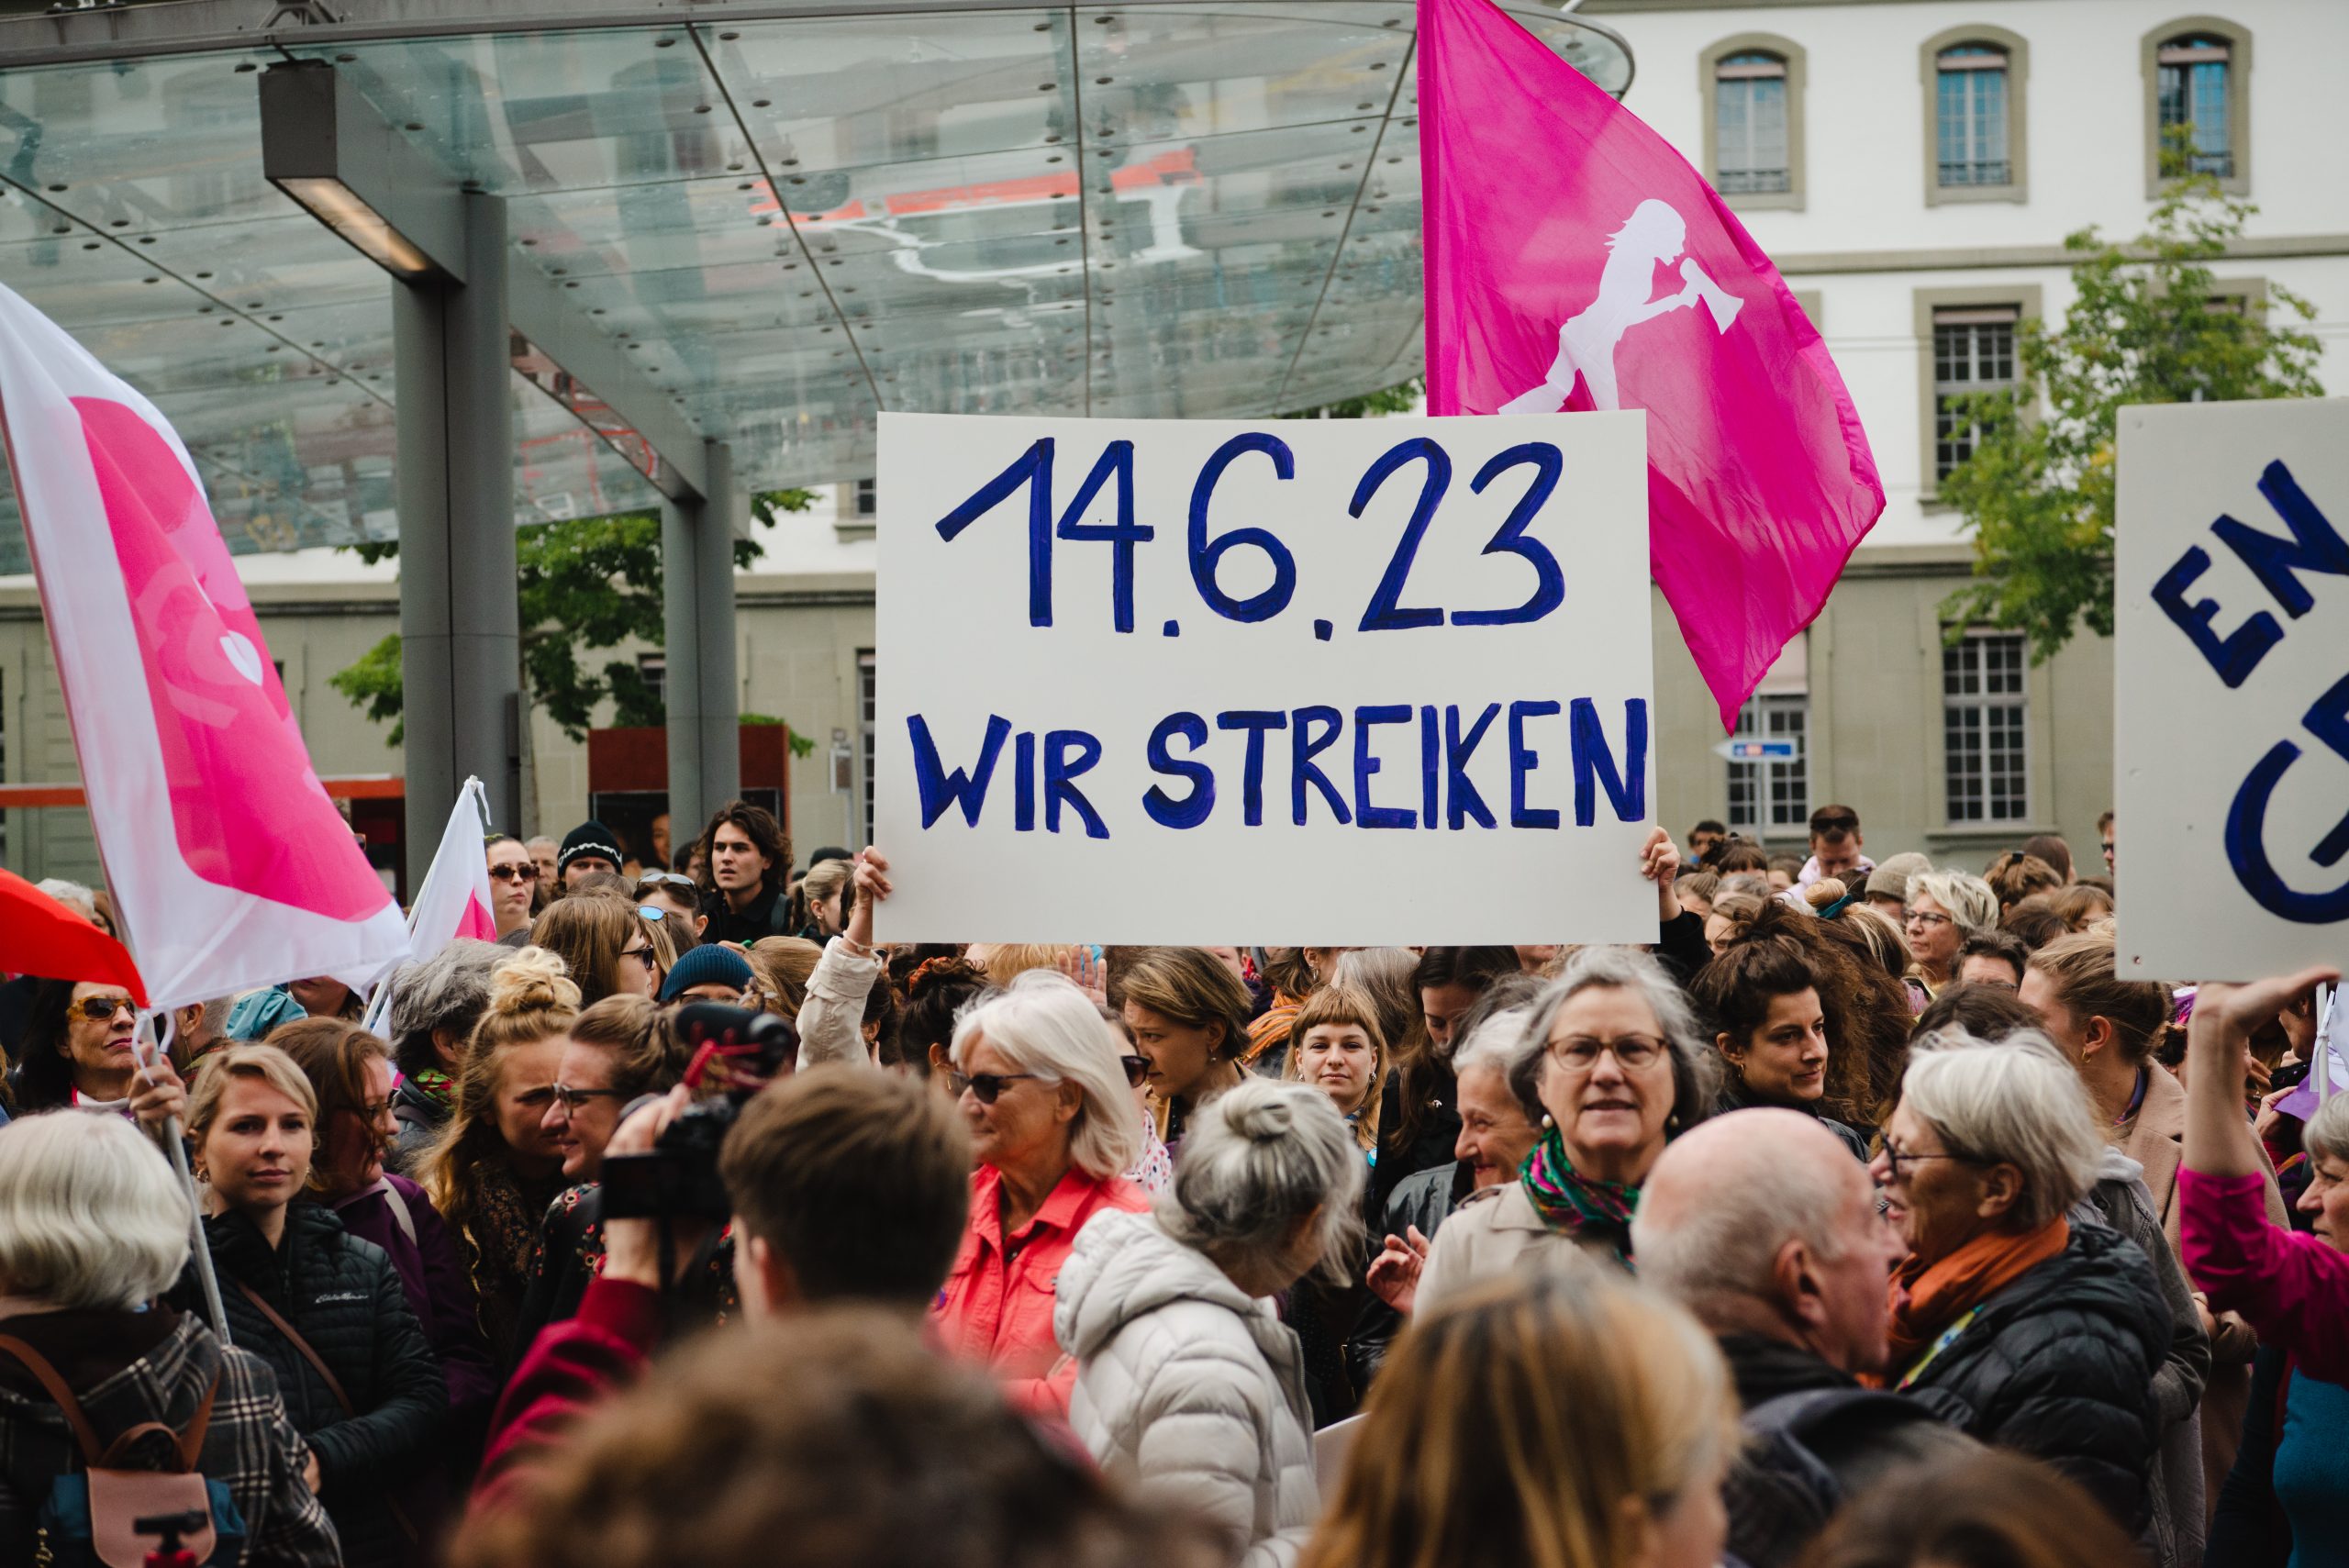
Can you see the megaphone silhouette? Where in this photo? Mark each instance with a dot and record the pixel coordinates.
(1723, 304)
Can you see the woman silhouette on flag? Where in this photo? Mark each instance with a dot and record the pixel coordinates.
(1653, 235)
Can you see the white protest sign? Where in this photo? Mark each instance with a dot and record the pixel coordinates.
(2231, 688)
(1344, 681)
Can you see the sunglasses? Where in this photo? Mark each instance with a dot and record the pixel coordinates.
(513, 873)
(102, 1009)
(666, 879)
(987, 1085)
(1136, 1068)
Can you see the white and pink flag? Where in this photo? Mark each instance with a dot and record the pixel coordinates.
(454, 900)
(1575, 260)
(230, 867)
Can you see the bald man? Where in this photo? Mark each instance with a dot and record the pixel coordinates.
(1762, 1224)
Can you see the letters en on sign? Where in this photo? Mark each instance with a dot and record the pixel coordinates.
(1346, 682)
(2231, 688)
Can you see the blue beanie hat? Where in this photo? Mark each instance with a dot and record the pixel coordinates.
(711, 965)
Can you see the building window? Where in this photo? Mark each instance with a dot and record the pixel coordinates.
(1750, 109)
(1970, 116)
(1985, 713)
(1774, 793)
(1752, 86)
(1974, 93)
(2197, 91)
(867, 503)
(652, 669)
(865, 708)
(2191, 90)
(1974, 351)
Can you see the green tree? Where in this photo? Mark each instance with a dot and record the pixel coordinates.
(1400, 399)
(583, 586)
(2145, 325)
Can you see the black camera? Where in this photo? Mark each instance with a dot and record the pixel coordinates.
(737, 1053)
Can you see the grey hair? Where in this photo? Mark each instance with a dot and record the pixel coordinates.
(1695, 1072)
(448, 991)
(90, 1220)
(2326, 1136)
(1751, 881)
(73, 894)
(1042, 1024)
(1967, 897)
(1494, 1044)
(2018, 1102)
(1256, 1159)
(1726, 1247)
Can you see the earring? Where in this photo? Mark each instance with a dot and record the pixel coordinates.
(1548, 1121)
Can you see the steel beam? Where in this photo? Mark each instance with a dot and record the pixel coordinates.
(536, 307)
(681, 680)
(720, 716)
(460, 625)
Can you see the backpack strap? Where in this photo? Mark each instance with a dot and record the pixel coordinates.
(189, 1443)
(37, 1365)
(293, 1338)
(398, 1206)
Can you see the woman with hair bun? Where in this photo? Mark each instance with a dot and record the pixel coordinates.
(496, 1164)
(1188, 1388)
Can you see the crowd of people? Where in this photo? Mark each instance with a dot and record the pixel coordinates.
(1867, 1218)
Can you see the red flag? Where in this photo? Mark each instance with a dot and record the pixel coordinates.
(1575, 260)
(48, 940)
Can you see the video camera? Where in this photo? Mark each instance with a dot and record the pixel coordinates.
(737, 1053)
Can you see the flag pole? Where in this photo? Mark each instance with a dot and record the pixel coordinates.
(150, 1054)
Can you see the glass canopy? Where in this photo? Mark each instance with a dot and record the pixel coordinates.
(1150, 209)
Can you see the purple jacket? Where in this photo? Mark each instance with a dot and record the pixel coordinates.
(2291, 1287)
(438, 1289)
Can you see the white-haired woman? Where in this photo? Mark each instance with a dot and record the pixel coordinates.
(1945, 908)
(1613, 1065)
(2020, 1328)
(1043, 1080)
(93, 1228)
(1188, 1388)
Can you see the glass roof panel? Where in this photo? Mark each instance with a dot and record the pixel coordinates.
(1202, 210)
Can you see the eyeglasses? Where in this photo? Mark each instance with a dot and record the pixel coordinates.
(1896, 1156)
(2108, 846)
(1580, 1052)
(1136, 1068)
(574, 1098)
(987, 1085)
(666, 879)
(643, 955)
(1920, 918)
(524, 873)
(102, 1009)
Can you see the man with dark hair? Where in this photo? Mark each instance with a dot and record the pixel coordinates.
(1993, 958)
(1836, 848)
(1705, 840)
(2104, 826)
(749, 856)
(2050, 847)
(849, 1186)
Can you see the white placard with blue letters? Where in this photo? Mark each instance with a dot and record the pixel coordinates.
(2231, 688)
(1326, 680)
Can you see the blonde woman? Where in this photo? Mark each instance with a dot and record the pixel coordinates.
(1945, 908)
(497, 1164)
(1567, 1418)
(295, 1284)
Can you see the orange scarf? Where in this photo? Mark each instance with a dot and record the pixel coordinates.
(1927, 1298)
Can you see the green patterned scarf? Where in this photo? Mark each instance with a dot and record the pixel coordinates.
(437, 1086)
(1578, 1203)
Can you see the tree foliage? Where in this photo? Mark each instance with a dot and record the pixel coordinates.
(2146, 324)
(1400, 399)
(583, 586)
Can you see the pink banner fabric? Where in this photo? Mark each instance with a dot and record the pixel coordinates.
(1575, 260)
(231, 868)
(454, 901)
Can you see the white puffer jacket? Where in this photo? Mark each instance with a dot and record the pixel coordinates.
(1187, 1389)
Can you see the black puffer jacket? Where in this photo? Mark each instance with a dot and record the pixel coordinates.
(342, 1294)
(2060, 1365)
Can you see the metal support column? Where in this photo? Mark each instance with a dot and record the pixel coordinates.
(714, 525)
(681, 679)
(459, 626)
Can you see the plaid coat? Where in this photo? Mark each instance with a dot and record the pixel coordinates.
(250, 1444)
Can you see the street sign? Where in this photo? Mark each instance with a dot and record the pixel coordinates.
(1758, 750)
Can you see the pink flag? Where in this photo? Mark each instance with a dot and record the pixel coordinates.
(1575, 260)
(454, 900)
(231, 868)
